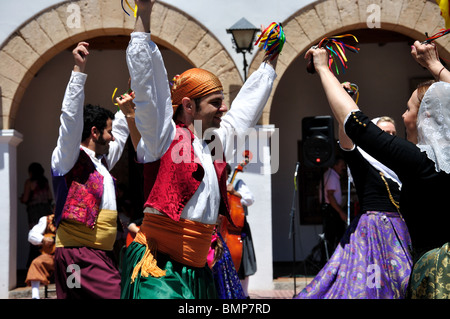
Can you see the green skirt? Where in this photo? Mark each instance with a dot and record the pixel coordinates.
(430, 278)
(180, 281)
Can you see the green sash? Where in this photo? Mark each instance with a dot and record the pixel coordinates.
(180, 281)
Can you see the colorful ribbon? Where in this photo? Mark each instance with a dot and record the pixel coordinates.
(272, 40)
(112, 98)
(114, 93)
(337, 54)
(441, 33)
(131, 8)
(354, 90)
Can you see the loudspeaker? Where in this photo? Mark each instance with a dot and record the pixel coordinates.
(318, 141)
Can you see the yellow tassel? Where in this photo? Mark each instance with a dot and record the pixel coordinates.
(147, 265)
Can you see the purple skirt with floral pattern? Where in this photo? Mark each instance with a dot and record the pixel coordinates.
(373, 261)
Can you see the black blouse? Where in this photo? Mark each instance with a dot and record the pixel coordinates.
(423, 199)
(372, 192)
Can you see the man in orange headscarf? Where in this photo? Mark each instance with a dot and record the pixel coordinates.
(185, 134)
(192, 85)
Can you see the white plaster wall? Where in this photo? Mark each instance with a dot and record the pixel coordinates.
(257, 175)
(9, 139)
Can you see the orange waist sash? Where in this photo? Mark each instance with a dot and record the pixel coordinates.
(184, 241)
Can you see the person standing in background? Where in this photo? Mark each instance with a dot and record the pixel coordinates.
(37, 195)
(38, 198)
(247, 266)
(335, 218)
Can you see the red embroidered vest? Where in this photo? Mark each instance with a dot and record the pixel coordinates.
(79, 192)
(170, 182)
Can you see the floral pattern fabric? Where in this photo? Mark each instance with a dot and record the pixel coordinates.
(431, 275)
(373, 261)
(83, 201)
(226, 277)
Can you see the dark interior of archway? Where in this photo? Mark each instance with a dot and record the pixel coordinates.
(111, 42)
(380, 36)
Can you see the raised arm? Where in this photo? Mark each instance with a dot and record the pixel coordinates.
(80, 54)
(246, 108)
(68, 145)
(127, 107)
(340, 101)
(143, 16)
(151, 87)
(251, 99)
(426, 54)
(344, 141)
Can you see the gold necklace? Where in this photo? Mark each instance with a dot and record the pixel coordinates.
(393, 201)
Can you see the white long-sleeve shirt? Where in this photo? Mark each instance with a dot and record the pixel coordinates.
(68, 145)
(154, 113)
(36, 234)
(247, 197)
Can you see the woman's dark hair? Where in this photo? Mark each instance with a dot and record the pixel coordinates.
(97, 116)
(37, 174)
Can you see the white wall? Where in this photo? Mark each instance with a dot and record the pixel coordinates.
(9, 139)
(257, 175)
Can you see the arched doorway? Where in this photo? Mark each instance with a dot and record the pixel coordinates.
(383, 68)
(42, 46)
(326, 18)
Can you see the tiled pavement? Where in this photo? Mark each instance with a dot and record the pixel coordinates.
(283, 285)
(283, 289)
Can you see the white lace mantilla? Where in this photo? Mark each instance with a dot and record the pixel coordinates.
(433, 125)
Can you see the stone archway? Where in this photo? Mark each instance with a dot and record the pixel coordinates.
(331, 17)
(52, 31)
